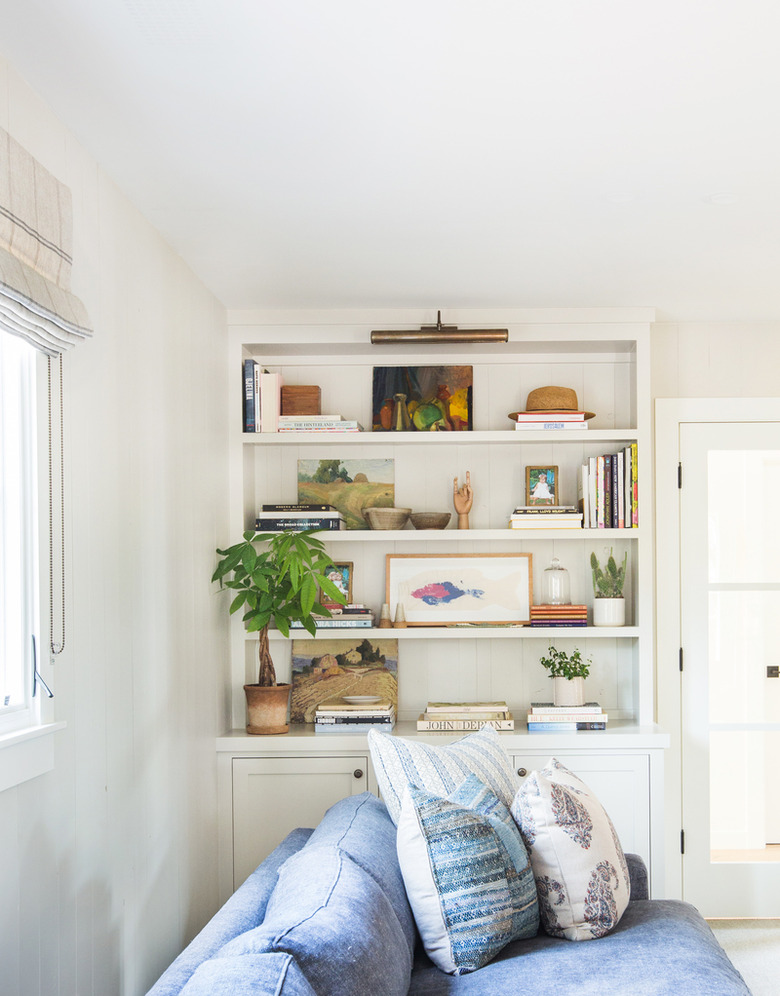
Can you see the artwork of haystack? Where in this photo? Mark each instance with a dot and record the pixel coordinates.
(348, 485)
(434, 398)
(330, 669)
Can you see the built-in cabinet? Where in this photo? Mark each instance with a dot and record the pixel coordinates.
(604, 356)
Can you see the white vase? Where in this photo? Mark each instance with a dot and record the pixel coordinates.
(569, 691)
(609, 612)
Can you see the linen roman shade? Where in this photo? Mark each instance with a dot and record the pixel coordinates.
(36, 302)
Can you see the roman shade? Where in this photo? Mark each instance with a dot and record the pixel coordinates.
(35, 254)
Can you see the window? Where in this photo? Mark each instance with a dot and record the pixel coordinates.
(18, 532)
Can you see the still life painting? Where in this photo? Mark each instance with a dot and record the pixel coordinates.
(330, 669)
(422, 399)
(460, 589)
(348, 485)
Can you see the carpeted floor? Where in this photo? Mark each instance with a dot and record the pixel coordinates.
(754, 948)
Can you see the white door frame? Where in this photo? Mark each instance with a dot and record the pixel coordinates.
(669, 414)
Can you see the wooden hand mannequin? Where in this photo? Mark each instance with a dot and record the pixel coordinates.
(463, 499)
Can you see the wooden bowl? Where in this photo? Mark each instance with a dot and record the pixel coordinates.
(387, 518)
(430, 520)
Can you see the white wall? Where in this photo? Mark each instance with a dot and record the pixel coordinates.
(109, 862)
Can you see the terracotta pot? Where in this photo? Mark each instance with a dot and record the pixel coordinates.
(266, 709)
(569, 691)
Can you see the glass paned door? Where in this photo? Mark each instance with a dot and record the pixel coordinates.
(730, 621)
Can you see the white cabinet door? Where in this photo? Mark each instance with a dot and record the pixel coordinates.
(274, 795)
(621, 782)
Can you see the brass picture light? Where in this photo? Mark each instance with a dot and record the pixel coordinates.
(438, 333)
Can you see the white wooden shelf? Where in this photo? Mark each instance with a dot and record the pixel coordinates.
(461, 633)
(469, 535)
(383, 439)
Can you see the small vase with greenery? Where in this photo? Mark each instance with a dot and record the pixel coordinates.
(609, 606)
(277, 584)
(568, 672)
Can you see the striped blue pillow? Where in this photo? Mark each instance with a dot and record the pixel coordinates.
(439, 769)
(467, 875)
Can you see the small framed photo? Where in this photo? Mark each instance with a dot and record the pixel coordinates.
(341, 576)
(541, 485)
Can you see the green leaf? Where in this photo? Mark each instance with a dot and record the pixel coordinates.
(282, 624)
(238, 601)
(330, 589)
(308, 594)
(310, 626)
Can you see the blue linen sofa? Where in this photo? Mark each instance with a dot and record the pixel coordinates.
(326, 914)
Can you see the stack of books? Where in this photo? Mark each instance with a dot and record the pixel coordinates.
(279, 518)
(354, 615)
(447, 717)
(559, 615)
(608, 490)
(262, 394)
(546, 517)
(550, 420)
(318, 423)
(340, 716)
(545, 717)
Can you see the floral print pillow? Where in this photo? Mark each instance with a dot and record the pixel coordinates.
(581, 873)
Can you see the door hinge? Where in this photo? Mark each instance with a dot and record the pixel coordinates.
(679, 475)
(681, 658)
(682, 842)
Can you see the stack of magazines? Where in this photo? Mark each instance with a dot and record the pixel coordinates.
(354, 715)
(447, 717)
(545, 717)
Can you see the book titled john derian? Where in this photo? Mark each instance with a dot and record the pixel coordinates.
(443, 717)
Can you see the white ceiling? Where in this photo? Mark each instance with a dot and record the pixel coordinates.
(435, 153)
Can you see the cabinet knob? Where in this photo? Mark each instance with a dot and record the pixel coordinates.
(358, 772)
(522, 772)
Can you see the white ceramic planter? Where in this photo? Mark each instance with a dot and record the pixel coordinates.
(609, 612)
(569, 691)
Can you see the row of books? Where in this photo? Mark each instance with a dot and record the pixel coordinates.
(544, 717)
(262, 398)
(546, 517)
(279, 518)
(341, 716)
(318, 423)
(446, 717)
(608, 490)
(354, 615)
(550, 419)
(559, 615)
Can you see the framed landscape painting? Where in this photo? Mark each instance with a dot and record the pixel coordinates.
(460, 588)
(330, 669)
(434, 398)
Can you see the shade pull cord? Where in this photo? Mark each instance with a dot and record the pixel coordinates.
(56, 647)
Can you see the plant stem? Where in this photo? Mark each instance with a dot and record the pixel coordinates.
(267, 673)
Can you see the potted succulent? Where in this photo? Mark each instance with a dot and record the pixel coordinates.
(277, 584)
(609, 606)
(568, 672)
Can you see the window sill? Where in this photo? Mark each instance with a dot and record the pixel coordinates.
(27, 753)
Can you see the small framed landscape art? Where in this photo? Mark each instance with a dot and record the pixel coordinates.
(330, 669)
(460, 588)
(422, 399)
(348, 485)
(541, 485)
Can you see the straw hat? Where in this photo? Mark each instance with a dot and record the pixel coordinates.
(553, 399)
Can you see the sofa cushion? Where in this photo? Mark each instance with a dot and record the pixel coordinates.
(249, 975)
(580, 870)
(660, 947)
(467, 875)
(361, 827)
(336, 922)
(439, 769)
